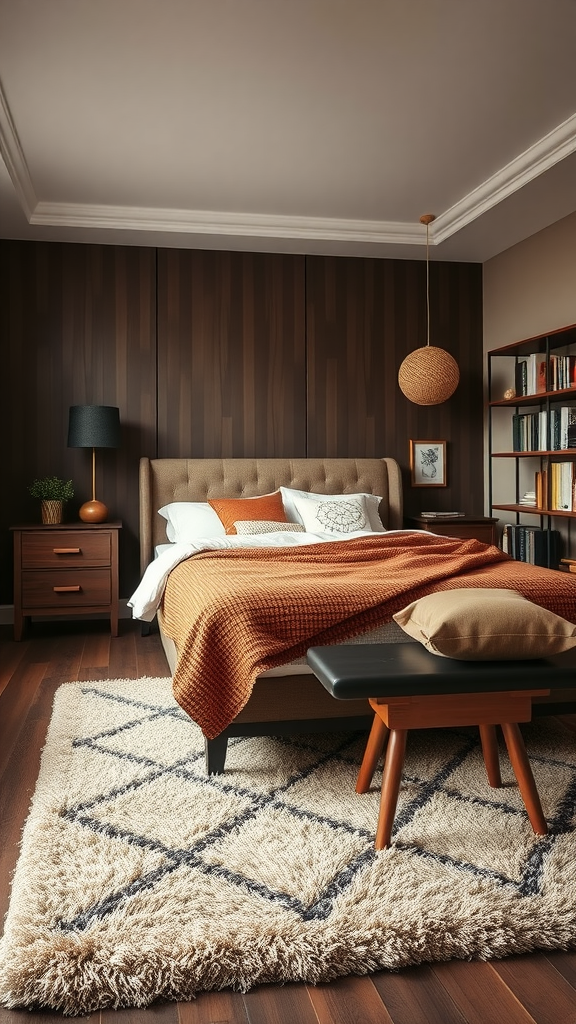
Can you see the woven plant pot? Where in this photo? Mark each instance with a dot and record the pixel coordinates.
(52, 512)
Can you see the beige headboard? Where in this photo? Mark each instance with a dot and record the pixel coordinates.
(166, 480)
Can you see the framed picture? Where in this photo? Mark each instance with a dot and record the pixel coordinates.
(428, 463)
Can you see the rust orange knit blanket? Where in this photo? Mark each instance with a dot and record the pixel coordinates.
(235, 613)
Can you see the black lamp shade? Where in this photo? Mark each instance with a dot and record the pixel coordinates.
(94, 426)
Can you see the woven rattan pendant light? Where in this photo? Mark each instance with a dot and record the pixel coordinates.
(428, 375)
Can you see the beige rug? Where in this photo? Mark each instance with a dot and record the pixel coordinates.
(141, 877)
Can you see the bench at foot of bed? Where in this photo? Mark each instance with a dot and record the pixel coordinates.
(410, 688)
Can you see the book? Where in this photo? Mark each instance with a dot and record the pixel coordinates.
(442, 515)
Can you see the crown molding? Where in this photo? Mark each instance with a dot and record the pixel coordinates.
(544, 154)
(13, 156)
(216, 223)
(539, 158)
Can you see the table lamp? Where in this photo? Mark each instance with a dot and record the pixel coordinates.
(94, 426)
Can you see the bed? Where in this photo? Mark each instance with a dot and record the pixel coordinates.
(287, 699)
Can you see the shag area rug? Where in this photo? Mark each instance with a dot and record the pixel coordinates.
(140, 877)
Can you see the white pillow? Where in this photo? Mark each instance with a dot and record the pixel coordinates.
(330, 516)
(251, 527)
(187, 521)
(289, 495)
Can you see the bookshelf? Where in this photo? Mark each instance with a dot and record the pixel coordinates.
(532, 444)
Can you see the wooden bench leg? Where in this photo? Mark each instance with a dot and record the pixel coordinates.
(390, 786)
(525, 779)
(490, 752)
(374, 747)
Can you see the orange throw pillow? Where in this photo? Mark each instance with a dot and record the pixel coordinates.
(228, 510)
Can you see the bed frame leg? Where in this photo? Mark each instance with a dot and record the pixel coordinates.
(216, 754)
(145, 628)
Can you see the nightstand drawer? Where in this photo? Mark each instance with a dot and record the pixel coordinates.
(66, 589)
(51, 550)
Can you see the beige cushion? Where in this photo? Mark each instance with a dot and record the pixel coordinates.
(249, 528)
(477, 624)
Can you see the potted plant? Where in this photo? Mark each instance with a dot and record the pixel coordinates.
(52, 492)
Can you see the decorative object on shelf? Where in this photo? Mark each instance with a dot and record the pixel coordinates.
(428, 463)
(509, 393)
(94, 426)
(428, 375)
(52, 492)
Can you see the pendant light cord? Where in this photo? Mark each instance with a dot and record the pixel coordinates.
(427, 290)
(427, 219)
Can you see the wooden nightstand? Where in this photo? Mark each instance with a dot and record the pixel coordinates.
(69, 569)
(481, 528)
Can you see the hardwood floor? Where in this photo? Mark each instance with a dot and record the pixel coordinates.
(536, 987)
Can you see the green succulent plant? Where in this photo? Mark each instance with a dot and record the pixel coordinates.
(51, 488)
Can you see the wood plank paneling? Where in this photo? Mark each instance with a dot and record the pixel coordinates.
(363, 317)
(231, 337)
(225, 354)
(78, 326)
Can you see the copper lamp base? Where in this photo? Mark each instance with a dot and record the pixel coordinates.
(93, 512)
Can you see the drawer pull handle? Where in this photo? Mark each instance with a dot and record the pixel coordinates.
(66, 551)
(65, 590)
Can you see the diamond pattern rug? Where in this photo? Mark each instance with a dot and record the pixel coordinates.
(140, 876)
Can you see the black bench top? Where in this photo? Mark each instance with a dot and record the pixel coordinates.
(392, 670)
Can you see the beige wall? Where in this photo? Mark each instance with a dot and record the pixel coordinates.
(531, 288)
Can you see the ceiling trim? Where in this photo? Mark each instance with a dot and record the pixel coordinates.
(534, 161)
(215, 223)
(13, 156)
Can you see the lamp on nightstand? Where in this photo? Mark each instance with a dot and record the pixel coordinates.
(94, 426)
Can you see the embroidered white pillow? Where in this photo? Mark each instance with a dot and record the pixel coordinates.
(330, 516)
(372, 504)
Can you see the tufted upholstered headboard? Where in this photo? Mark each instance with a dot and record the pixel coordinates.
(166, 480)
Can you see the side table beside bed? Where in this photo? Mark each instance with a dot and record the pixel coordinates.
(65, 569)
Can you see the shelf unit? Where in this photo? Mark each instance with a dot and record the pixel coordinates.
(502, 374)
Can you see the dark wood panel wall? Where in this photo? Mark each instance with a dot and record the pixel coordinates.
(77, 327)
(363, 318)
(231, 354)
(225, 354)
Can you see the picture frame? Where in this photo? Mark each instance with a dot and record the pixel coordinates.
(428, 463)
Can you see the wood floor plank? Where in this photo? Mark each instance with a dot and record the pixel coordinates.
(214, 1008)
(162, 1012)
(17, 783)
(122, 662)
(95, 656)
(565, 964)
(349, 1000)
(14, 703)
(480, 994)
(151, 658)
(11, 654)
(41, 1017)
(279, 1004)
(416, 996)
(547, 995)
(48, 641)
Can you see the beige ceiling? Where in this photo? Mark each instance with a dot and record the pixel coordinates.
(317, 126)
